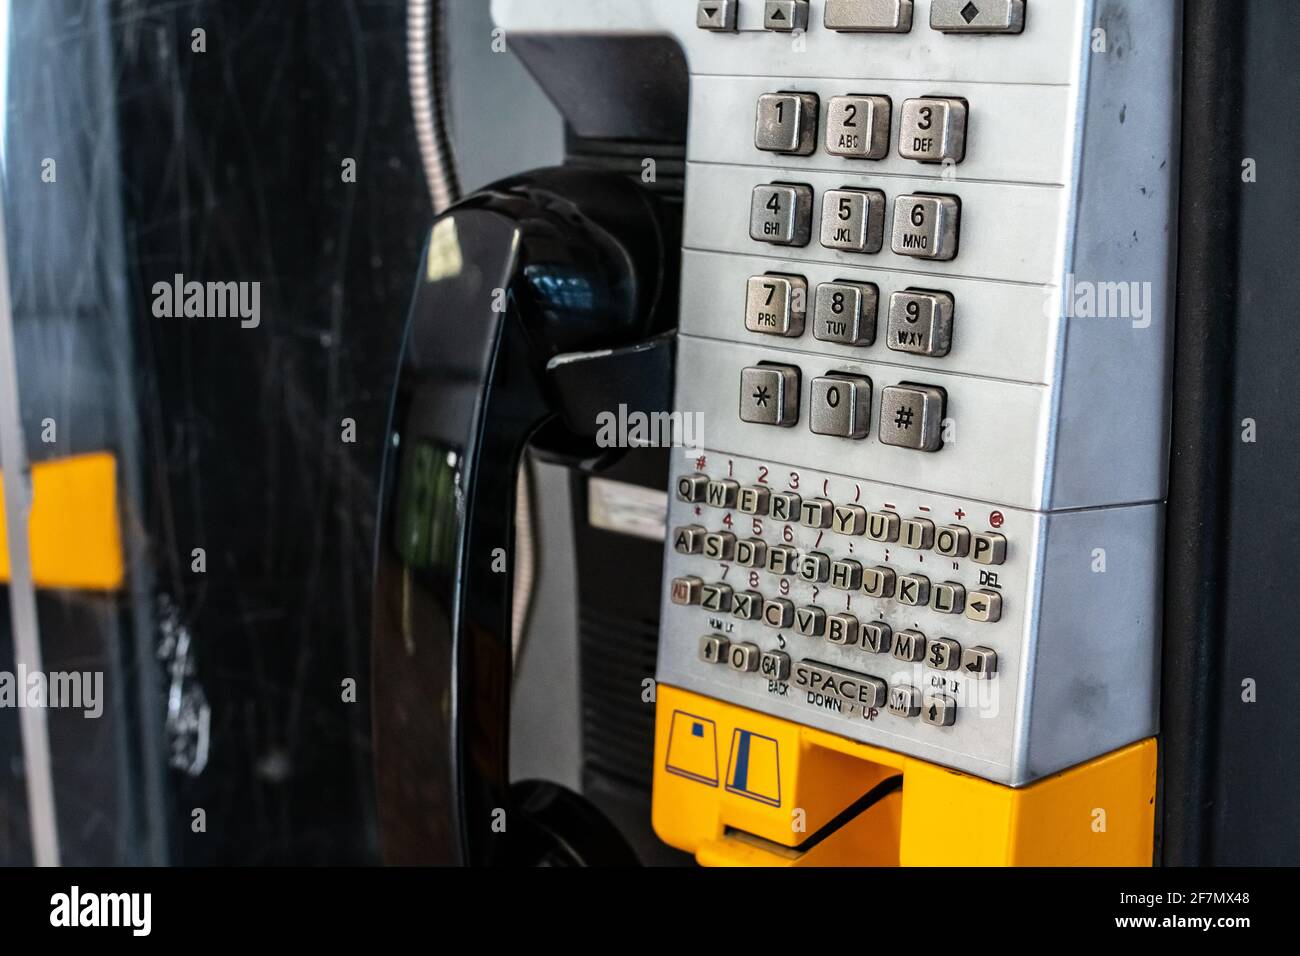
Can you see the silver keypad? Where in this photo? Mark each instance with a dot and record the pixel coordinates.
(883, 526)
(713, 648)
(933, 130)
(781, 559)
(845, 312)
(776, 304)
(686, 591)
(747, 605)
(689, 539)
(716, 597)
(775, 665)
(853, 220)
(785, 506)
(842, 629)
(913, 590)
(692, 488)
(849, 519)
(751, 553)
(984, 606)
(947, 597)
(857, 127)
(952, 541)
(753, 500)
(943, 654)
(920, 322)
(769, 395)
(939, 710)
(877, 637)
(781, 214)
(879, 582)
(926, 226)
(810, 621)
(984, 16)
(840, 406)
(847, 686)
(980, 663)
(816, 513)
(719, 546)
(778, 613)
(846, 575)
(911, 416)
(721, 493)
(744, 657)
(787, 123)
(989, 548)
(815, 567)
(716, 15)
(869, 16)
(785, 16)
(904, 701)
(917, 534)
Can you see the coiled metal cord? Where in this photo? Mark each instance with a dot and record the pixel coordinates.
(425, 61)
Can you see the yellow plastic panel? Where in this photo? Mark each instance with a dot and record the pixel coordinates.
(73, 530)
(740, 788)
(1100, 813)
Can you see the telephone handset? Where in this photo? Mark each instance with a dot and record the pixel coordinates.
(563, 265)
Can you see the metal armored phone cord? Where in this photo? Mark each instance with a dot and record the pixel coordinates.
(426, 69)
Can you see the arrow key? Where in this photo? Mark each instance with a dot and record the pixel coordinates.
(785, 16)
(716, 15)
(979, 663)
(984, 606)
(939, 710)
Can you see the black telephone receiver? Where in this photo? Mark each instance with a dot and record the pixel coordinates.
(559, 262)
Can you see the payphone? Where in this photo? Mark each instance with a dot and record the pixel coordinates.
(911, 598)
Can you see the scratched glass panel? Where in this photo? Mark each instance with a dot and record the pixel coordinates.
(215, 211)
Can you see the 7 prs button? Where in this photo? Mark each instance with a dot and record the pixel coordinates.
(776, 304)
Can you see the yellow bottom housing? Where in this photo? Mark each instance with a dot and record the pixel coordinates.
(739, 788)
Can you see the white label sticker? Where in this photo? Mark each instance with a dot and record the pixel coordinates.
(627, 509)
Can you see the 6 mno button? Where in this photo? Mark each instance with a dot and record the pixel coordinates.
(926, 226)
